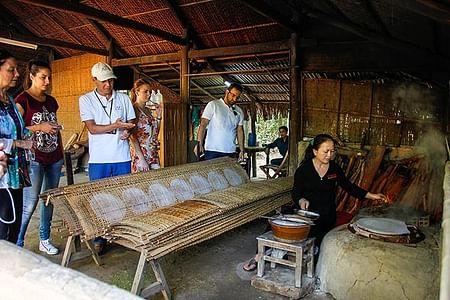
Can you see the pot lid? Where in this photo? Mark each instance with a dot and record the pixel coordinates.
(383, 226)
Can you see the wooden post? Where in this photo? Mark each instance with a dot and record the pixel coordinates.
(185, 99)
(68, 165)
(110, 52)
(295, 122)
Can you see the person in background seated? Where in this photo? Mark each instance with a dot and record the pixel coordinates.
(109, 117)
(39, 109)
(224, 120)
(282, 143)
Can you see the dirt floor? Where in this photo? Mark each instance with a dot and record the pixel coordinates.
(210, 270)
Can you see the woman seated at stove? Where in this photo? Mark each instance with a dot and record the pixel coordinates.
(315, 183)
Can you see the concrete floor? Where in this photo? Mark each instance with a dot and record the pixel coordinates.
(210, 270)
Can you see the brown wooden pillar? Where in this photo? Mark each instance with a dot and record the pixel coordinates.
(110, 52)
(185, 100)
(295, 120)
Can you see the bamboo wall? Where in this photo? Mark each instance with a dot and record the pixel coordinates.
(71, 79)
(376, 114)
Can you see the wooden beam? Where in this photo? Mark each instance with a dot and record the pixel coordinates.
(250, 71)
(53, 43)
(241, 50)
(168, 57)
(271, 13)
(431, 9)
(376, 17)
(99, 15)
(212, 52)
(361, 56)
(436, 61)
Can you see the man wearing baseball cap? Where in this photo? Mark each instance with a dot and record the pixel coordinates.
(108, 116)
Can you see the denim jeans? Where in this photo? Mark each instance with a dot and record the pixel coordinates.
(105, 170)
(43, 177)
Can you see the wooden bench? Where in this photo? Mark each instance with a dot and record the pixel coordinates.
(165, 210)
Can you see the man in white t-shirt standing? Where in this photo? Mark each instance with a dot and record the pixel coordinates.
(224, 121)
(109, 117)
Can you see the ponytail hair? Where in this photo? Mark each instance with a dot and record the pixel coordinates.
(137, 84)
(33, 67)
(314, 144)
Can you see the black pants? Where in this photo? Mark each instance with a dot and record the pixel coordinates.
(10, 232)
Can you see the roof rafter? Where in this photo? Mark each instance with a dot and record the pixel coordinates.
(437, 60)
(93, 13)
(431, 9)
(109, 39)
(268, 12)
(53, 43)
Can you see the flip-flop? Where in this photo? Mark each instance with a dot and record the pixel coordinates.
(250, 266)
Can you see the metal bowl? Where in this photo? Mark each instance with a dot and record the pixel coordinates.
(289, 229)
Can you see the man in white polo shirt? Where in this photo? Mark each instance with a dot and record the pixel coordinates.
(224, 120)
(109, 117)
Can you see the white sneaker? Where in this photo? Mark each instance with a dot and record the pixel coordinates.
(47, 247)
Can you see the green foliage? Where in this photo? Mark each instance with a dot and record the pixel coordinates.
(267, 130)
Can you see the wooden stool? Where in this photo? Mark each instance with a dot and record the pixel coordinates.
(303, 251)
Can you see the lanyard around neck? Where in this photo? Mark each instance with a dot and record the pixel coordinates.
(104, 106)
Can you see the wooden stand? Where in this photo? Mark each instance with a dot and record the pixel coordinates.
(288, 282)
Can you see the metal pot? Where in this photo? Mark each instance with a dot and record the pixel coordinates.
(289, 228)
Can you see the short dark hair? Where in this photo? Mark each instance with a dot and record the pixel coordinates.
(4, 55)
(235, 85)
(283, 127)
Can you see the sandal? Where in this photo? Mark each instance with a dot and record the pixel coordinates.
(250, 266)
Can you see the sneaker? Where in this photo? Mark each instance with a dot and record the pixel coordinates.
(47, 247)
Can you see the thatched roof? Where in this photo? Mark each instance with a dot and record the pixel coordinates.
(370, 39)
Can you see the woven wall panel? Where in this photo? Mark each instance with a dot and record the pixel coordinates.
(320, 121)
(400, 112)
(72, 78)
(175, 134)
(356, 97)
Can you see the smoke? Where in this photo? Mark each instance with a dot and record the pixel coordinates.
(415, 101)
(432, 146)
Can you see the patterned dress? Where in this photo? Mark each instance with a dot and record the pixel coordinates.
(147, 130)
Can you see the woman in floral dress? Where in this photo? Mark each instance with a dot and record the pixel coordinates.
(145, 143)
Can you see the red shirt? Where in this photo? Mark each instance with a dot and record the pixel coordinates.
(47, 147)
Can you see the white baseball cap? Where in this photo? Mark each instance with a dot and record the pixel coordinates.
(102, 71)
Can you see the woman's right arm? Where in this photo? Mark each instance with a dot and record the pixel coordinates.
(298, 190)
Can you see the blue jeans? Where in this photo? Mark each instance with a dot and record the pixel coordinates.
(105, 170)
(43, 177)
(214, 154)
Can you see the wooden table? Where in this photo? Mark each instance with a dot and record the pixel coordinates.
(251, 153)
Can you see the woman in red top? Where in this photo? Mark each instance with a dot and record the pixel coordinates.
(39, 112)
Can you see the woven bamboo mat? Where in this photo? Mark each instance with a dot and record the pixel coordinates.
(90, 209)
(205, 231)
